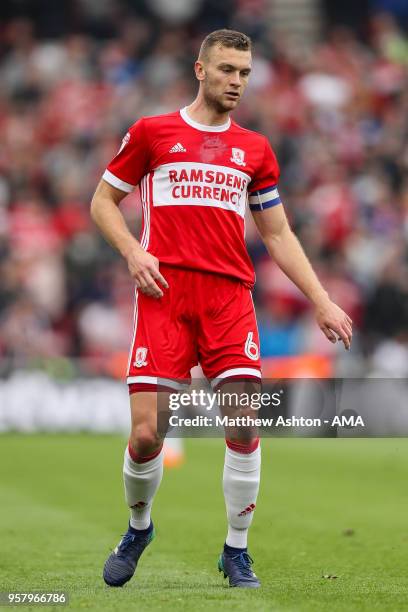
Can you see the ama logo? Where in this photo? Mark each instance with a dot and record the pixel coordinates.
(348, 419)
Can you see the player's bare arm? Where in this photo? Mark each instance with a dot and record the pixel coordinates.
(285, 249)
(143, 266)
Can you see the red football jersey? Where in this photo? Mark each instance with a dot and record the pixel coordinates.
(195, 182)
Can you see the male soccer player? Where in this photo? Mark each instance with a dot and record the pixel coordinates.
(197, 169)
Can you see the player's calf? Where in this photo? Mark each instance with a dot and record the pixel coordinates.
(241, 483)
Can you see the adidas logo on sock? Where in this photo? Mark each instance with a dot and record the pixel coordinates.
(139, 505)
(247, 510)
(178, 148)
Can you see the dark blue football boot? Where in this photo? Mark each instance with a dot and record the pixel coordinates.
(121, 564)
(236, 565)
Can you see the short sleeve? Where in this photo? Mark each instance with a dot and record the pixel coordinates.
(130, 164)
(263, 189)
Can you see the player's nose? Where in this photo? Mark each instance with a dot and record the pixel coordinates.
(235, 80)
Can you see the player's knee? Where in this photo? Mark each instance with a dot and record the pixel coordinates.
(144, 440)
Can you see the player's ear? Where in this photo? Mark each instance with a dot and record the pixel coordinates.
(199, 70)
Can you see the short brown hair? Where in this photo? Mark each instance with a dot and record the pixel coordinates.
(225, 38)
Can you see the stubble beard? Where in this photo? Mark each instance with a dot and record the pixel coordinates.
(215, 103)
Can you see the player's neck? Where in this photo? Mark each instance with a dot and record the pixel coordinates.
(200, 112)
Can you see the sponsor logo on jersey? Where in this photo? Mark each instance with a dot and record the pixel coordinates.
(140, 358)
(247, 510)
(212, 147)
(251, 348)
(195, 184)
(178, 148)
(238, 156)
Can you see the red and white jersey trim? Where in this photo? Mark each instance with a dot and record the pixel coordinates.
(156, 381)
(145, 197)
(200, 126)
(117, 182)
(135, 317)
(252, 372)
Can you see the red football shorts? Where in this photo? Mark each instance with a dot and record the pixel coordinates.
(202, 318)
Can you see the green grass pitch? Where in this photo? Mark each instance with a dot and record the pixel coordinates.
(334, 507)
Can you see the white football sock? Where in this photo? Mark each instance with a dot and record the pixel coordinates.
(241, 484)
(141, 483)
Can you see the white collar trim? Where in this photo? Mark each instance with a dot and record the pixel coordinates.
(200, 126)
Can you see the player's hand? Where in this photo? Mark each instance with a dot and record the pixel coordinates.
(334, 323)
(144, 268)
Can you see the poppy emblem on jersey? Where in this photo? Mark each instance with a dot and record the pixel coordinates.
(238, 156)
(125, 140)
(140, 358)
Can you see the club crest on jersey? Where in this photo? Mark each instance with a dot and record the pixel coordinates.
(238, 156)
(140, 358)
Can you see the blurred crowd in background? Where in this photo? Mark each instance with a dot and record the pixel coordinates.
(336, 115)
